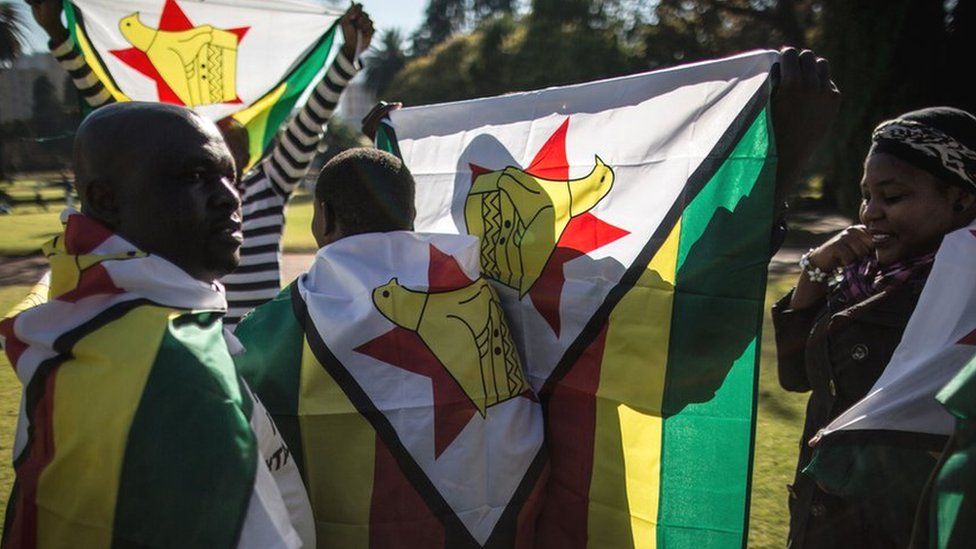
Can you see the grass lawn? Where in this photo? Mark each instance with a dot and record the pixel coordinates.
(24, 231)
(779, 419)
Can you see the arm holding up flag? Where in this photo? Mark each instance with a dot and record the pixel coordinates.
(266, 189)
(47, 13)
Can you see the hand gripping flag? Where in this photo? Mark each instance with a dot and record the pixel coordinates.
(900, 415)
(625, 225)
(391, 370)
(133, 429)
(247, 59)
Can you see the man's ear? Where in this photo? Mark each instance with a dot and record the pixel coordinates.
(100, 201)
(330, 228)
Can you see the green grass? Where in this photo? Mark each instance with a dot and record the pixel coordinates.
(23, 233)
(298, 229)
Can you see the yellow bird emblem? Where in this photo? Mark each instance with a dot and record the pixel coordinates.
(198, 64)
(520, 218)
(466, 330)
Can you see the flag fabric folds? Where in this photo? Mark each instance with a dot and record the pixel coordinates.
(901, 410)
(133, 426)
(390, 371)
(247, 59)
(625, 225)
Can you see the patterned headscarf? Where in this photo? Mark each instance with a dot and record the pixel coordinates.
(939, 140)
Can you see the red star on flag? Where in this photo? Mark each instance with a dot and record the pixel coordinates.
(584, 233)
(172, 19)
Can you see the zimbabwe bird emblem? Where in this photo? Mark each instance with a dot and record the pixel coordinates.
(532, 221)
(192, 65)
(466, 330)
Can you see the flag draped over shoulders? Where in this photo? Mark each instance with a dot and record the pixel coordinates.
(133, 427)
(247, 59)
(390, 370)
(900, 416)
(625, 225)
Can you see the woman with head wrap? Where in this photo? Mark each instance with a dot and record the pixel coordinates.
(837, 329)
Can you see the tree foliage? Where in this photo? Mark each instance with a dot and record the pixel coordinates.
(887, 56)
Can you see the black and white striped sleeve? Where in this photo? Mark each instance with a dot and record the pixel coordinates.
(89, 86)
(289, 160)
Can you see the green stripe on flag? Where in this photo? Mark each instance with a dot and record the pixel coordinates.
(709, 405)
(272, 364)
(262, 127)
(190, 461)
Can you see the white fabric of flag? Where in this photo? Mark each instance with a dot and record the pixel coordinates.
(216, 56)
(939, 340)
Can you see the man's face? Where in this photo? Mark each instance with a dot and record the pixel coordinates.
(178, 198)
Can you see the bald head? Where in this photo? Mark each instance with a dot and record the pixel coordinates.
(161, 177)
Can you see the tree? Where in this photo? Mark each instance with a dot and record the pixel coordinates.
(444, 18)
(386, 62)
(12, 41)
(12, 34)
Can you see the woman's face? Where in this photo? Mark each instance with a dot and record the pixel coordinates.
(906, 210)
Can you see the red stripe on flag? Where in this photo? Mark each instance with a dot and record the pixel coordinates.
(23, 531)
(570, 433)
(528, 516)
(398, 516)
(94, 280)
(83, 234)
(13, 346)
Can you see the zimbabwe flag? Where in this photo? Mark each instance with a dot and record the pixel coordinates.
(391, 372)
(249, 60)
(134, 430)
(625, 225)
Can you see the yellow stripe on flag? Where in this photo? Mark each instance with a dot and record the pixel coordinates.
(339, 447)
(256, 116)
(96, 66)
(96, 395)
(624, 489)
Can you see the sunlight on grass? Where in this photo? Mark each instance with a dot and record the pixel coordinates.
(23, 233)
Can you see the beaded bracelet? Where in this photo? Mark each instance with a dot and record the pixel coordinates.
(818, 275)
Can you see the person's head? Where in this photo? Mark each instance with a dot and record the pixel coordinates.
(161, 177)
(235, 136)
(362, 191)
(919, 181)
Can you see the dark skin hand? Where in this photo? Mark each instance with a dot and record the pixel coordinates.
(355, 24)
(804, 103)
(47, 13)
(161, 177)
(372, 119)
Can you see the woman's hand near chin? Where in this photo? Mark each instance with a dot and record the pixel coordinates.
(844, 248)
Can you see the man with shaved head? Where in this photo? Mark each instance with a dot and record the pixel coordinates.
(134, 427)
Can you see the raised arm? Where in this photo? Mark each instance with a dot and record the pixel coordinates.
(289, 159)
(47, 13)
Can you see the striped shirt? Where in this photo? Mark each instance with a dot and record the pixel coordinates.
(265, 188)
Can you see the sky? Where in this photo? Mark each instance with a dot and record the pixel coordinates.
(387, 14)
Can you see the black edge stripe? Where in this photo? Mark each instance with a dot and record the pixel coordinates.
(694, 185)
(506, 529)
(456, 533)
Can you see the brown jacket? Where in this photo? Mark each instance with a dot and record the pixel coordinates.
(837, 351)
